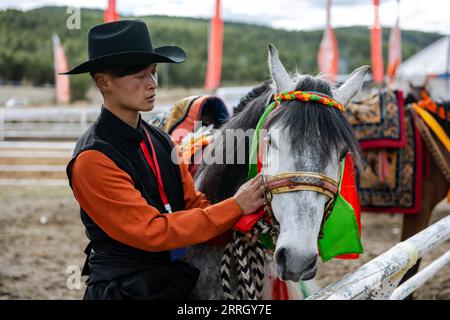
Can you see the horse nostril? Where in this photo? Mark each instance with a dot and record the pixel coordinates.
(281, 257)
(312, 264)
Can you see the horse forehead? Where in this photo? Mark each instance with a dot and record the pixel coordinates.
(294, 156)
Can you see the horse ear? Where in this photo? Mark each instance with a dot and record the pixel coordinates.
(279, 75)
(352, 86)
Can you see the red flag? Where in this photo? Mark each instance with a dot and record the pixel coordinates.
(214, 67)
(377, 49)
(328, 56)
(62, 84)
(110, 12)
(395, 48)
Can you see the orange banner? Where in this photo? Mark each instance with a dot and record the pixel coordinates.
(328, 55)
(214, 67)
(376, 35)
(62, 84)
(110, 12)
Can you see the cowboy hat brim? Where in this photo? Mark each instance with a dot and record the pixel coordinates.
(167, 54)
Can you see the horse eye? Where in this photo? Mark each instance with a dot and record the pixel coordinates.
(272, 143)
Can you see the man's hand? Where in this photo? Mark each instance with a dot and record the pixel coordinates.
(250, 195)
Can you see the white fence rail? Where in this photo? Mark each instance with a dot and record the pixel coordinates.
(378, 278)
(420, 278)
(34, 163)
(51, 123)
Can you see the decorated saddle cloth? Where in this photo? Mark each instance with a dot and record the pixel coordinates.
(190, 122)
(378, 120)
(392, 153)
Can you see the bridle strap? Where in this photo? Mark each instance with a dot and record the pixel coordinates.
(301, 181)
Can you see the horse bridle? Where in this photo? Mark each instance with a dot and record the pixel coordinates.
(300, 181)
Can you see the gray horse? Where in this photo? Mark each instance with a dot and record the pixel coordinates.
(302, 137)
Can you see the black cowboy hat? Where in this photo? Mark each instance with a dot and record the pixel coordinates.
(124, 43)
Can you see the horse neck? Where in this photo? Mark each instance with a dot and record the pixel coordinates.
(221, 181)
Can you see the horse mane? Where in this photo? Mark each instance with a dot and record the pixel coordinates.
(221, 181)
(308, 124)
(252, 95)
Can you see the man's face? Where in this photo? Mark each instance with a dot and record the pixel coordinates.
(136, 91)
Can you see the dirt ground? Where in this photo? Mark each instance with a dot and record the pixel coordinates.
(41, 236)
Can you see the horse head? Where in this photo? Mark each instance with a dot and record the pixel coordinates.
(305, 137)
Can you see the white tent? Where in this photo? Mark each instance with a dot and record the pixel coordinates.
(432, 63)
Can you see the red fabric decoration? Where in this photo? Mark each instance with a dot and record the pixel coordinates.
(279, 290)
(246, 223)
(350, 194)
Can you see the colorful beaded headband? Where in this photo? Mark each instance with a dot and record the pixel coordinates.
(309, 96)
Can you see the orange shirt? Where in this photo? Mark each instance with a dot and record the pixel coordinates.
(108, 196)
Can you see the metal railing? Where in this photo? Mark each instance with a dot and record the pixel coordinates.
(378, 279)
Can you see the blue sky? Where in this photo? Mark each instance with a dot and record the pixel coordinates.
(429, 15)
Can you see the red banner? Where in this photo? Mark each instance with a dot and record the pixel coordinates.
(376, 35)
(110, 12)
(395, 49)
(214, 67)
(62, 83)
(328, 56)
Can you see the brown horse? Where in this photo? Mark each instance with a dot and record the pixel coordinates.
(435, 188)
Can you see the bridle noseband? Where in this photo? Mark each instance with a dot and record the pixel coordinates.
(300, 181)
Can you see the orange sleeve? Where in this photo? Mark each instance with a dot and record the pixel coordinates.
(108, 196)
(192, 198)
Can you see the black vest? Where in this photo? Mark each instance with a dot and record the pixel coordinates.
(110, 260)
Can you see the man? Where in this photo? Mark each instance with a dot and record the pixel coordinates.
(139, 207)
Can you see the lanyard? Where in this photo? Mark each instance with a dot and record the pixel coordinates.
(175, 254)
(153, 162)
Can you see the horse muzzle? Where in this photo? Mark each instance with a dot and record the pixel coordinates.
(293, 267)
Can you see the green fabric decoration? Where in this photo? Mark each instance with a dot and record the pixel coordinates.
(253, 167)
(340, 231)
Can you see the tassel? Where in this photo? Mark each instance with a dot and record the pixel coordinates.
(280, 290)
(304, 289)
